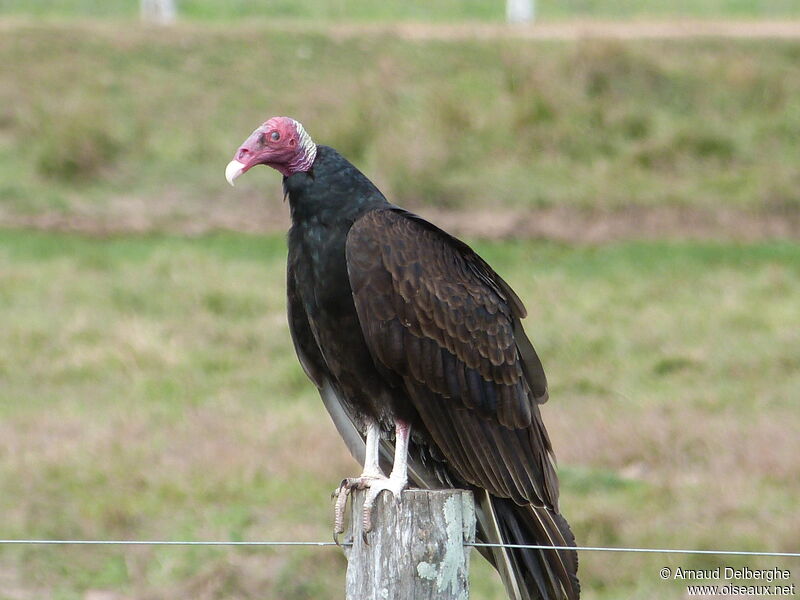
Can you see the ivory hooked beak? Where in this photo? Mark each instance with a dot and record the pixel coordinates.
(233, 170)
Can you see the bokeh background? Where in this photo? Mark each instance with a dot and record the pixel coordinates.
(640, 190)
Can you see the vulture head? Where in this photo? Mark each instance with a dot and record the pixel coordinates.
(280, 143)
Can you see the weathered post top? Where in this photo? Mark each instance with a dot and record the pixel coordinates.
(417, 549)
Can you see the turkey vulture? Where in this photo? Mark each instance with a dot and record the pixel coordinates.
(417, 349)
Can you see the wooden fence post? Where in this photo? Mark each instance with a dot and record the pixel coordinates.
(520, 11)
(161, 12)
(416, 549)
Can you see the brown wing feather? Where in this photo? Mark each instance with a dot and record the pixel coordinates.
(435, 313)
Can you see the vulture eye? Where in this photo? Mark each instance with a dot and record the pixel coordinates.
(274, 136)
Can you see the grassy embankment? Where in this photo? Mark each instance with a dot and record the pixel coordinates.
(149, 390)
(132, 125)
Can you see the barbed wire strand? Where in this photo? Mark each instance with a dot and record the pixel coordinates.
(163, 543)
(644, 550)
(475, 545)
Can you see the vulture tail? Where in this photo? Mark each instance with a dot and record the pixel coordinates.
(530, 574)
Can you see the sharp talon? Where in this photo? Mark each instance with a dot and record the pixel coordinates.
(342, 486)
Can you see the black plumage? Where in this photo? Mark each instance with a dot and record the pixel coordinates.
(394, 319)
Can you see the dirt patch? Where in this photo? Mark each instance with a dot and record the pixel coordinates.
(564, 224)
(573, 225)
(568, 29)
(577, 29)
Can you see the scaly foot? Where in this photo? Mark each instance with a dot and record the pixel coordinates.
(341, 493)
(373, 479)
(374, 484)
(392, 484)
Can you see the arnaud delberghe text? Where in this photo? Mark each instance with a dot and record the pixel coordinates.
(733, 574)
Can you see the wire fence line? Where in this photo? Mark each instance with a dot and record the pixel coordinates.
(474, 545)
(162, 543)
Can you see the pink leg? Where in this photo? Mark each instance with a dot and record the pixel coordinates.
(372, 471)
(398, 480)
(372, 478)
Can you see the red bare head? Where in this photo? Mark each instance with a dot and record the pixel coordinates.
(280, 143)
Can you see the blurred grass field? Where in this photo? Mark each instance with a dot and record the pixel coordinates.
(391, 10)
(128, 123)
(148, 388)
(150, 392)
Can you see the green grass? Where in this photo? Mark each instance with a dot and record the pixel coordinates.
(349, 10)
(148, 389)
(117, 122)
(614, 9)
(420, 10)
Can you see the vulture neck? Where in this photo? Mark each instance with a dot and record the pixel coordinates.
(331, 193)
